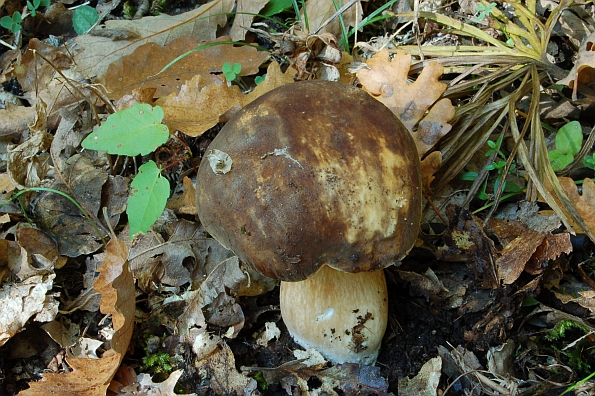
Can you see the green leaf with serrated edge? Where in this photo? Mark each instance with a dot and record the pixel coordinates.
(149, 192)
(133, 131)
(84, 18)
(569, 138)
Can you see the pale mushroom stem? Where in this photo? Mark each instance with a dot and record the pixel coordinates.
(341, 315)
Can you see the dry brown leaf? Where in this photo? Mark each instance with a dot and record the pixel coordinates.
(244, 16)
(34, 72)
(551, 248)
(221, 374)
(516, 254)
(429, 166)
(92, 376)
(197, 108)
(319, 11)
(584, 67)
(185, 203)
(25, 167)
(585, 203)
(386, 80)
(141, 68)
(99, 52)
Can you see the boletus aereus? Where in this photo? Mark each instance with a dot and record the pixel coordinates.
(324, 191)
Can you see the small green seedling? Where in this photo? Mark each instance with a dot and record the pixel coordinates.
(36, 4)
(484, 10)
(259, 79)
(84, 18)
(137, 131)
(589, 161)
(569, 140)
(12, 23)
(230, 71)
(498, 165)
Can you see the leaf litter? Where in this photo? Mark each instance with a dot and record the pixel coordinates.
(202, 306)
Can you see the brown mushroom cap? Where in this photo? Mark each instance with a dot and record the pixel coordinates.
(322, 173)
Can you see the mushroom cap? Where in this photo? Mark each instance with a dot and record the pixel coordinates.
(322, 173)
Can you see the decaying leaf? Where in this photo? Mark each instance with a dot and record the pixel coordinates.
(584, 67)
(146, 386)
(62, 219)
(25, 167)
(246, 11)
(142, 67)
(585, 203)
(319, 11)
(92, 376)
(221, 374)
(386, 80)
(425, 383)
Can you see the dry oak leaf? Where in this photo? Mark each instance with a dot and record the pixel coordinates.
(98, 52)
(386, 80)
(197, 108)
(246, 10)
(141, 68)
(318, 12)
(91, 377)
(584, 67)
(585, 203)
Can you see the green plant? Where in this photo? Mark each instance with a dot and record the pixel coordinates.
(13, 23)
(36, 4)
(484, 10)
(498, 164)
(232, 74)
(568, 142)
(137, 131)
(84, 18)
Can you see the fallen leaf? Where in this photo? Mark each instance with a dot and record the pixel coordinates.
(186, 202)
(585, 203)
(551, 248)
(198, 108)
(425, 383)
(516, 254)
(221, 375)
(147, 387)
(386, 80)
(97, 52)
(318, 12)
(142, 67)
(92, 376)
(245, 13)
(62, 219)
(584, 68)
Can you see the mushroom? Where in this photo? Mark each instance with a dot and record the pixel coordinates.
(324, 191)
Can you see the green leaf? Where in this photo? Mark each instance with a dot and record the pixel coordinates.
(230, 76)
(469, 176)
(569, 138)
(236, 68)
(259, 79)
(149, 192)
(274, 7)
(226, 68)
(559, 159)
(84, 18)
(6, 22)
(32, 7)
(133, 131)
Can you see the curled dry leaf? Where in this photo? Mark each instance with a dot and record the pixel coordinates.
(93, 376)
(585, 203)
(584, 67)
(386, 80)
